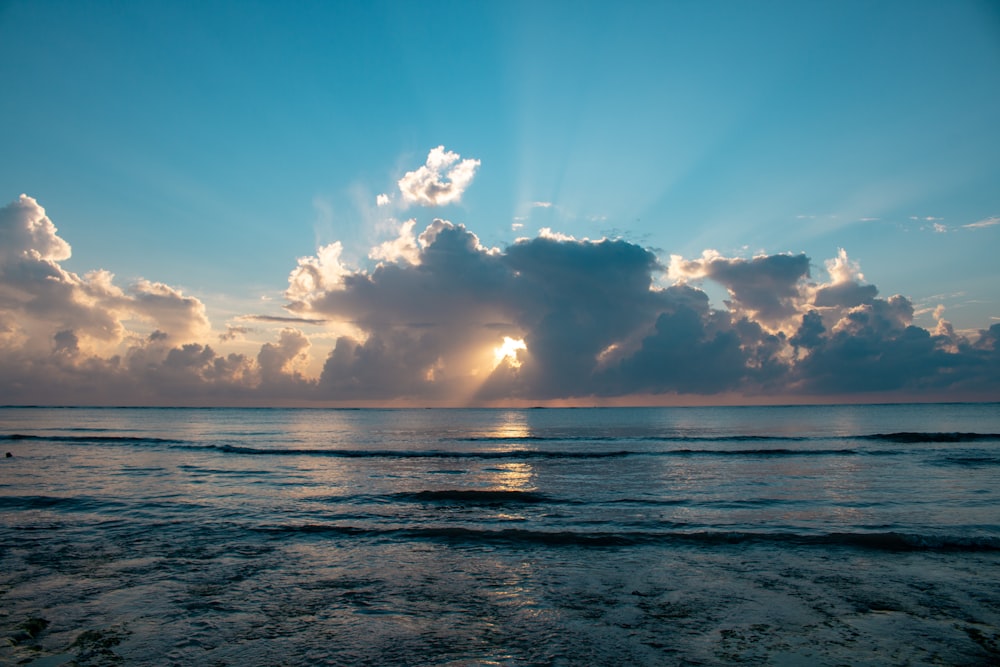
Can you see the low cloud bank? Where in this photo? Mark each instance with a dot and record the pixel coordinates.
(596, 321)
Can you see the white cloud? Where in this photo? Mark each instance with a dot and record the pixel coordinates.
(404, 247)
(182, 317)
(547, 233)
(541, 204)
(427, 187)
(317, 275)
(24, 228)
(681, 270)
(986, 222)
(842, 269)
(382, 200)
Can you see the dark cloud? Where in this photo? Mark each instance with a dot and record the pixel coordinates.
(845, 295)
(595, 324)
(691, 349)
(766, 288)
(276, 319)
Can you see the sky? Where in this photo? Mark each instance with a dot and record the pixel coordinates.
(499, 203)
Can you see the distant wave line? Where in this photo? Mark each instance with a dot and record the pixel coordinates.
(893, 438)
(878, 541)
(638, 438)
(502, 497)
(93, 439)
(904, 437)
(516, 453)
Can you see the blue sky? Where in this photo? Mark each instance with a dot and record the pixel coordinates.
(209, 146)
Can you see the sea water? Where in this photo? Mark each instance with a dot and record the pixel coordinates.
(657, 536)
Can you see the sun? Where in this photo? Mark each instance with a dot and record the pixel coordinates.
(508, 352)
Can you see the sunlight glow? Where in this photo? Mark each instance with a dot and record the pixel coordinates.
(508, 351)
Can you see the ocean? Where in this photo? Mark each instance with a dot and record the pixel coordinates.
(828, 535)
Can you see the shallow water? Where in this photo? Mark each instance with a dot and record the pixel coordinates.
(806, 535)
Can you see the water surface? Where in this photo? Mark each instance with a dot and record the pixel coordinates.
(796, 535)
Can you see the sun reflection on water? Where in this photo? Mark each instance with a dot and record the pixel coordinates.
(510, 426)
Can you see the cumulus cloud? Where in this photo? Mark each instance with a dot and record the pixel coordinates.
(426, 317)
(440, 181)
(402, 248)
(26, 230)
(317, 275)
(765, 288)
(547, 233)
(594, 324)
(67, 338)
(41, 298)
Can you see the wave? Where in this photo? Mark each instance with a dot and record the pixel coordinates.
(902, 437)
(970, 461)
(475, 497)
(517, 453)
(616, 438)
(514, 537)
(92, 439)
(780, 448)
(907, 437)
(419, 453)
(75, 504)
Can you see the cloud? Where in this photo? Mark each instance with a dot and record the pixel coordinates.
(986, 222)
(67, 338)
(402, 248)
(234, 333)
(280, 362)
(765, 288)
(594, 325)
(26, 230)
(547, 233)
(427, 315)
(281, 319)
(941, 228)
(317, 275)
(184, 317)
(428, 187)
(382, 200)
(41, 298)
